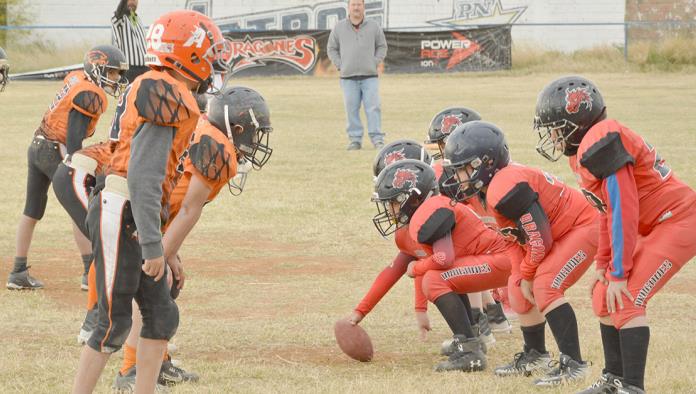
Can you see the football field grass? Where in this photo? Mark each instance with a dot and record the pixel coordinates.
(271, 270)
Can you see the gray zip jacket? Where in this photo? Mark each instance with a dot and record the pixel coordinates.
(357, 53)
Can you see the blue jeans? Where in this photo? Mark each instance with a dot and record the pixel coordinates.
(367, 91)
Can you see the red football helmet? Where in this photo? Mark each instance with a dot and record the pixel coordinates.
(189, 43)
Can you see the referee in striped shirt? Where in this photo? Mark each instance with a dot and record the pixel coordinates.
(128, 35)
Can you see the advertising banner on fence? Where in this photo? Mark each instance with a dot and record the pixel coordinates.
(304, 52)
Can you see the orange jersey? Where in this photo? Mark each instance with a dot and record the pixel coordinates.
(101, 153)
(154, 97)
(212, 158)
(79, 94)
(564, 206)
(659, 190)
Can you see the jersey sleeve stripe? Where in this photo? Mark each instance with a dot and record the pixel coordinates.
(617, 227)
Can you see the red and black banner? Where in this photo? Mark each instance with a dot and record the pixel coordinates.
(304, 52)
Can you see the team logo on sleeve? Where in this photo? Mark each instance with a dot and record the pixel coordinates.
(449, 123)
(577, 97)
(394, 156)
(404, 176)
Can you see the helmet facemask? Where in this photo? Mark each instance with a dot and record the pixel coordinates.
(100, 76)
(252, 145)
(459, 188)
(218, 57)
(556, 138)
(236, 184)
(387, 220)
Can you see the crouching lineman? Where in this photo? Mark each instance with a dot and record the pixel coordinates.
(70, 119)
(557, 227)
(441, 250)
(647, 221)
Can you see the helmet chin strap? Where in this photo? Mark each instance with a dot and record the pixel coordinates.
(227, 122)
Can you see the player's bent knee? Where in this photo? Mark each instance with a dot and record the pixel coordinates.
(161, 322)
(434, 286)
(623, 316)
(518, 303)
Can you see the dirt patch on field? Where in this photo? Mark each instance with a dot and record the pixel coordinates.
(270, 266)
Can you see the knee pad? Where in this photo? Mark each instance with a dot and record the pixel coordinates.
(544, 294)
(434, 286)
(518, 303)
(161, 321)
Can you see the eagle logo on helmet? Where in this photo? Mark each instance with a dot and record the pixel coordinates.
(98, 58)
(394, 156)
(577, 97)
(404, 176)
(449, 123)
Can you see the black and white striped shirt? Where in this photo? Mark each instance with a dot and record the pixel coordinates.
(129, 38)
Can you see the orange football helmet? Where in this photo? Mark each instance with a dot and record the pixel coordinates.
(190, 43)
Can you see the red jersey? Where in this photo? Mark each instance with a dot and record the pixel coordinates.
(79, 94)
(154, 97)
(625, 178)
(564, 207)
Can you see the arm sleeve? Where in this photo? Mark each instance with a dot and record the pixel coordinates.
(603, 255)
(146, 170)
(421, 300)
(384, 282)
(332, 49)
(380, 46)
(442, 257)
(537, 232)
(622, 220)
(77, 130)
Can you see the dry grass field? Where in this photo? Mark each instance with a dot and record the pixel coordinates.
(270, 271)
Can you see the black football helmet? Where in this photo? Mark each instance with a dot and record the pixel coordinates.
(101, 59)
(244, 107)
(405, 183)
(566, 109)
(399, 150)
(444, 123)
(4, 69)
(481, 149)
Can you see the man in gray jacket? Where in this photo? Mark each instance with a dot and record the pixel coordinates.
(356, 47)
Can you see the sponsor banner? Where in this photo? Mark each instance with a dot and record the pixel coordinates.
(304, 52)
(484, 49)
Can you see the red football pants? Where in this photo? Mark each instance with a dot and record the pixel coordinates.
(657, 258)
(569, 258)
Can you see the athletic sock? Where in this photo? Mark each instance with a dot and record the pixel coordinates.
(87, 261)
(564, 327)
(634, 354)
(467, 305)
(20, 264)
(534, 337)
(128, 359)
(612, 349)
(452, 309)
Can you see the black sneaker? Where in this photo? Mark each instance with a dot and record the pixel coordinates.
(378, 145)
(484, 329)
(84, 284)
(467, 358)
(497, 320)
(526, 364)
(126, 383)
(171, 374)
(566, 370)
(606, 384)
(23, 281)
(354, 146)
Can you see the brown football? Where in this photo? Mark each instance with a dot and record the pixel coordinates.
(353, 340)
